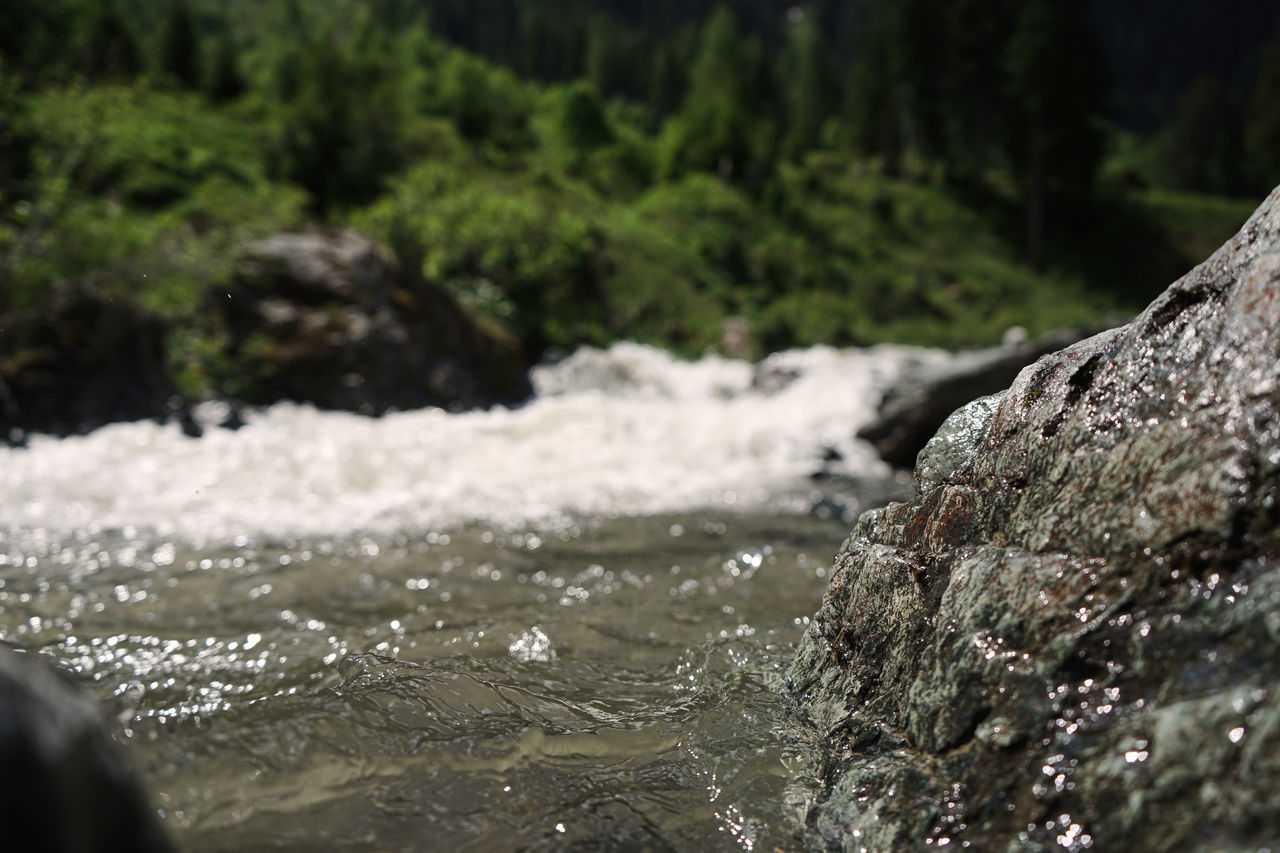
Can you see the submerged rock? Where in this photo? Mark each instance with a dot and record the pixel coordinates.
(64, 787)
(1070, 636)
(326, 316)
(917, 404)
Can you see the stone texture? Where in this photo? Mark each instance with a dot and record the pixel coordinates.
(65, 787)
(326, 316)
(916, 406)
(1070, 637)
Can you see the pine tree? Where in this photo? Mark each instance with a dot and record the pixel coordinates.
(808, 85)
(224, 81)
(1202, 147)
(1262, 130)
(1055, 88)
(108, 47)
(713, 131)
(180, 44)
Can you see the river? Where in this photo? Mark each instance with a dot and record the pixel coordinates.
(560, 626)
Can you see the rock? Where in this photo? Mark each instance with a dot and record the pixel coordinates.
(79, 361)
(915, 407)
(326, 316)
(1070, 636)
(65, 787)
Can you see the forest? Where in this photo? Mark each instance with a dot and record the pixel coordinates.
(576, 172)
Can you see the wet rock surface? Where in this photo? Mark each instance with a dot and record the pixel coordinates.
(326, 316)
(1070, 637)
(65, 787)
(920, 401)
(81, 361)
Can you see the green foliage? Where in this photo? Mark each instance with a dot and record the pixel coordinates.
(673, 176)
(106, 44)
(141, 191)
(582, 121)
(487, 104)
(719, 128)
(808, 86)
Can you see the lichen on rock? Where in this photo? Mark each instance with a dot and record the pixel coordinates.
(1070, 636)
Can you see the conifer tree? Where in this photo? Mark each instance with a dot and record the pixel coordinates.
(1202, 147)
(1055, 89)
(713, 131)
(808, 85)
(1262, 130)
(224, 81)
(108, 46)
(180, 44)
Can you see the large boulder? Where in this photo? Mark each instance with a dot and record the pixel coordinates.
(916, 406)
(64, 786)
(327, 316)
(78, 361)
(1070, 636)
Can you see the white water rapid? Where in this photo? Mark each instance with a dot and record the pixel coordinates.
(629, 430)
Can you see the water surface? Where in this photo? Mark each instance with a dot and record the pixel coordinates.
(563, 625)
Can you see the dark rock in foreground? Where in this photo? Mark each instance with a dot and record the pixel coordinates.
(81, 361)
(920, 401)
(1070, 637)
(326, 316)
(64, 787)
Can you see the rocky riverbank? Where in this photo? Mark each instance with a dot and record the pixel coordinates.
(1069, 637)
(322, 316)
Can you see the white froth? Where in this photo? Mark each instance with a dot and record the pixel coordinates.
(628, 430)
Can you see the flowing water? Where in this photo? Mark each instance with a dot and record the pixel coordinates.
(556, 626)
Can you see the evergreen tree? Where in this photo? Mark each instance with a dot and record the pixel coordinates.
(807, 84)
(1262, 130)
(974, 93)
(180, 44)
(714, 129)
(668, 82)
(874, 100)
(581, 118)
(108, 46)
(224, 81)
(616, 59)
(339, 102)
(1056, 89)
(1203, 148)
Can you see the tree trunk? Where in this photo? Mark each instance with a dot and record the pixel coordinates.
(1035, 194)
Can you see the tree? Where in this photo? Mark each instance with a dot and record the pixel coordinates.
(224, 81)
(808, 85)
(974, 93)
(1202, 147)
(1055, 88)
(581, 118)
(108, 46)
(668, 82)
(714, 128)
(1262, 130)
(338, 111)
(180, 44)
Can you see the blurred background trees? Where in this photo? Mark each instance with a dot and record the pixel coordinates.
(841, 171)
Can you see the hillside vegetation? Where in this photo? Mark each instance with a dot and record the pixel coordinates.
(615, 178)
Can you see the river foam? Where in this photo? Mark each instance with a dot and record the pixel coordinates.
(625, 431)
